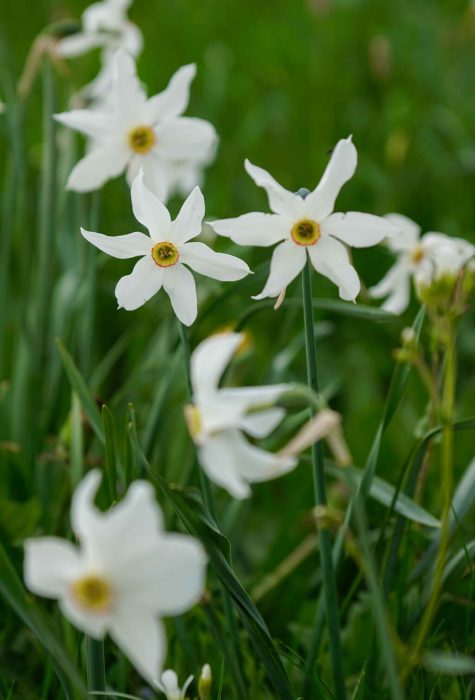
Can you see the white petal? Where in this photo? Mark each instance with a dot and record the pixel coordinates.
(179, 284)
(156, 176)
(50, 565)
(129, 97)
(357, 229)
(254, 229)
(398, 299)
(256, 464)
(93, 624)
(321, 202)
(84, 513)
(136, 522)
(149, 210)
(93, 123)
(99, 165)
(185, 138)
(169, 683)
(281, 201)
(218, 461)
(330, 258)
(129, 246)
(189, 221)
(209, 360)
(219, 266)
(174, 99)
(262, 423)
(137, 288)
(390, 281)
(255, 396)
(408, 233)
(288, 259)
(142, 639)
(77, 44)
(180, 576)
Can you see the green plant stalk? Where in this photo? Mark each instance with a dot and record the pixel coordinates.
(328, 573)
(209, 503)
(448, 401)
(95, 664)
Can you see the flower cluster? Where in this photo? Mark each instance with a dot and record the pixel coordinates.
(125, 591)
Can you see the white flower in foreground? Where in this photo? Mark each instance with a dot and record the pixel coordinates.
(136, 132)
(126, 573)
(425, 259)
(308, 225)
(168, 684)
(218, 416)
(105, 26)
(165, 252)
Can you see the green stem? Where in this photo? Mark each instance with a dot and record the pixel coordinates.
(448, 400)
(96, 672)
(328, 574)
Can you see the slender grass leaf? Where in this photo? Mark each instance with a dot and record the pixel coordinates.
(385, 493)
(79, 387)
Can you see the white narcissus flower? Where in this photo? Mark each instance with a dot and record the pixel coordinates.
(105, 26)
(218, 418)
(134, 132)
(168, 684)
(166, 253)
(308, 225)
(425, 259)
(126, 574)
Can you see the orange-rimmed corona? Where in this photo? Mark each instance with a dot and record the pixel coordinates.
(165, 254)
(305, 232)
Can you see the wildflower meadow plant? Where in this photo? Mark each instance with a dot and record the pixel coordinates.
(132, 131)
(281, 489)
(166, 253)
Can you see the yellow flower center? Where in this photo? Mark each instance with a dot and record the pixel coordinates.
(165, 254)
(305, 232)
(417, 254)
(93, 593)
(141, 139)
(194, 421)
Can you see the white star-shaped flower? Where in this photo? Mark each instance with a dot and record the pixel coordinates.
(168, 684)
(126, 574)
(105, 26)
(218, 418)
(308, 225)
(425, 259)
(166, 253)
(135, 132)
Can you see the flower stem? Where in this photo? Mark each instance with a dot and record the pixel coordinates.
(448, 400)
(329, 584)
(96, 673)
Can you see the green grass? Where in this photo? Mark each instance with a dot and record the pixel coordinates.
(282, 82)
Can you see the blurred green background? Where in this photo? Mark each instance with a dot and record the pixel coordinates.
(282, 81)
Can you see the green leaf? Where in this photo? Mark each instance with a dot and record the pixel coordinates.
(19, 519)
(188, 506)
(16, 596)
(384, 493)
(79, 387)
(449, 664)
(464, 556)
